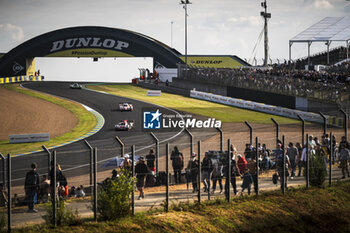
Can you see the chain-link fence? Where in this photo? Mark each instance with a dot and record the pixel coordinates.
(196, 165)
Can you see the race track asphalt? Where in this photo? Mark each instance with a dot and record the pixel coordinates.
(75, 158)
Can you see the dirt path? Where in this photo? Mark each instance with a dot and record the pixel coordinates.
(23, 114)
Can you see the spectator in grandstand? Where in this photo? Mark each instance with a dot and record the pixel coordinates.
(241, 163)
(253, 170)
(178, 164)
(192, 169)
(141, 171)
(207, 170)
(218, 173)
(247, 181)
(31, 186)
(344, 157)
(292, 153)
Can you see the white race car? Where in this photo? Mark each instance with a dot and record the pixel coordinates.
(75, 86)
(126, 107)
(124, 125)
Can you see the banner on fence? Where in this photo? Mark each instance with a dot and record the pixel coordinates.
(260, 107)
(154, 92)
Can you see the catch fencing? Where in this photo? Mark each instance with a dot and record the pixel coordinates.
(88, 164)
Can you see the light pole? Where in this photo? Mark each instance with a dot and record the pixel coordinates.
(266, 40)
(172, 22)
(185, 2)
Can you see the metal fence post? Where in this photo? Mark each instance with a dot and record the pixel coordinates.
(330, 161)
(250, 132)
(199, 172)
(157, 151)
(167, 177)
(121, 145)
(257, 165)
(221, 139)
(283, 180)
(228, 194)
(191, 141)
(277, 129)
(48, 159)
(324, 122)
(91, 161)
(95, 184)
(345, 124)
(54, 191)
(3, 170)
(133, 175)
(302, 130)
(307, 161)
(9, 204)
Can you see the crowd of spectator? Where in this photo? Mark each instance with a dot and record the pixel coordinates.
(332, 84)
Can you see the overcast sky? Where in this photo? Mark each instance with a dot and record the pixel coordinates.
(229, 27)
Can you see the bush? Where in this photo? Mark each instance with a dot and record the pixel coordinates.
(64, 215)
(114, 196)
(317, 170)
(3, 221)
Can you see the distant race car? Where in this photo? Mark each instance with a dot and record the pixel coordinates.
(75, 86)
(126, 107)
(124, 125)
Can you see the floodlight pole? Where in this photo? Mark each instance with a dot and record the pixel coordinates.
(347, 49)
(266, 40)
(328, 43)
(185, 2)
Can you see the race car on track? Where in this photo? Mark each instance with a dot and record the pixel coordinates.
(75, 86)
(126, 107)
(124, 125)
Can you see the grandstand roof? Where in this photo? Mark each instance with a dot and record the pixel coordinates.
(328, 29)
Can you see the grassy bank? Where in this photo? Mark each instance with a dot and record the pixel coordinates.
(299, 210)
(86, 122)
(195, 106)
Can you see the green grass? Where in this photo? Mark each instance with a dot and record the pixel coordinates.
(200, 107)
(86, 122)
(299, 210)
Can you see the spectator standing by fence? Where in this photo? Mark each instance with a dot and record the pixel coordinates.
(141, 171)
(178, 164)
(247, 181)
(280, 165)
(192, 169)
(292, 153)
(253, 170)
(299, 161)
(234, 172)
(207, 169)
(241, 163)
(31, 186)
(218, 173)
(150, 158)
(344, 157)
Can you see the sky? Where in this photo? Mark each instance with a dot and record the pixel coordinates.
(220, 27)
